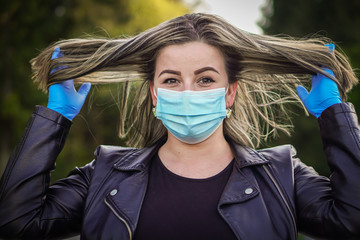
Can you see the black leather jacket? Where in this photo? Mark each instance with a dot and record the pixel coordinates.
(271, 194)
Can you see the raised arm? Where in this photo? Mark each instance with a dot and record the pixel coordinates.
(29, 208)
(331, 209)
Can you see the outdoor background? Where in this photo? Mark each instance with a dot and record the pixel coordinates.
(29, 26)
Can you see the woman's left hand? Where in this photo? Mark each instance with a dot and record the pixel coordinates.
(324, 92)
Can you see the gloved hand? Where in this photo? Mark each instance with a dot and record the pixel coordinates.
(324, 92)
(63, 97)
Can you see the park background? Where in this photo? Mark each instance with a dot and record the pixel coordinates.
(29, 26)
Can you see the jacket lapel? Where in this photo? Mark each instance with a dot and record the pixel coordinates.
(239, 187)
(126, 203)
(239, 205)
(126, 200)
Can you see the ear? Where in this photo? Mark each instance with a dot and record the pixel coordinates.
(230, 96)
(154, 99)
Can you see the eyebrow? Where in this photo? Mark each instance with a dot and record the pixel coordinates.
(204, 69)
(170, 71)
(196, 72)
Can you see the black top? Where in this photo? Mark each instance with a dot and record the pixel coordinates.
(176, 207)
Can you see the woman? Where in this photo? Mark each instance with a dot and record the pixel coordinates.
(217, 92)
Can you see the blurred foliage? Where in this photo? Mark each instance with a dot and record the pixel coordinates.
(335, 19)
(29, 26)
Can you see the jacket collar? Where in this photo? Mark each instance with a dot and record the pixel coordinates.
(128, 204)
(241, 186)
(245, 156)
(139, 159)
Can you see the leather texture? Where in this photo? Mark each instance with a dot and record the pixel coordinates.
(271, 194)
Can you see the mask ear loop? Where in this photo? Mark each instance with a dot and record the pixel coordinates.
(154, 108)
(228, 110)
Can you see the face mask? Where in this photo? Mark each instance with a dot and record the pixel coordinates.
(191, 116)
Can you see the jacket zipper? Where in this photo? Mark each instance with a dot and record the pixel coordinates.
(283, 198)
(119, 217)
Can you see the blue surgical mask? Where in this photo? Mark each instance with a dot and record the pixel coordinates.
(191, 116)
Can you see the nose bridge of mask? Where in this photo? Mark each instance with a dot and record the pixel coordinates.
(226, 91)
(190, 102)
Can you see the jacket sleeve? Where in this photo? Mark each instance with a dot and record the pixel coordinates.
(331, 208)
(29, 208)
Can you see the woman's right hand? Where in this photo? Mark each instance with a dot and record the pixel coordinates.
(63, 97)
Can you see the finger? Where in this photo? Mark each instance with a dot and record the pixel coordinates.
(302, 92)
(318, 78)
(330, 72)
(68, 84)
(54, 86)
(56, 53)
(315, 80)
(84, 89)
(331, 47)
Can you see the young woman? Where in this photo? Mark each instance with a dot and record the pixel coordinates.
(210, 94)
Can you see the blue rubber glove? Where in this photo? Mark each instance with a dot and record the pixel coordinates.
(324, 92)
(63, 97)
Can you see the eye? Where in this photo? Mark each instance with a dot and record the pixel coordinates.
(206, 80)
(170, 81)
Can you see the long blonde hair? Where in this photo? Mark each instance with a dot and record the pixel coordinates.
(266, 69)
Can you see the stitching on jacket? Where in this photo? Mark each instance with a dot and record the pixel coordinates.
(104, 179)
(6, 175)
(349, 121)
(278, 180)
(283, 194)
(97, 190)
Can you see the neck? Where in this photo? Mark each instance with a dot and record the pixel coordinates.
(199, 160)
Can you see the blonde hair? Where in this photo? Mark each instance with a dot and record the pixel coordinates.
(266, 69)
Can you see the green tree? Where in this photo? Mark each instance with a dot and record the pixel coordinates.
(29, 26)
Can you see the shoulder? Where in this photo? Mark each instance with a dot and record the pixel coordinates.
(108, 154)
(124, 158)
(280, 155)
(283, 155)
(282, 163)
(112, 151)
(285, 164)
(278, 151)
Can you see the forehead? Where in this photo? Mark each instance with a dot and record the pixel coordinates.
(194, 54)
